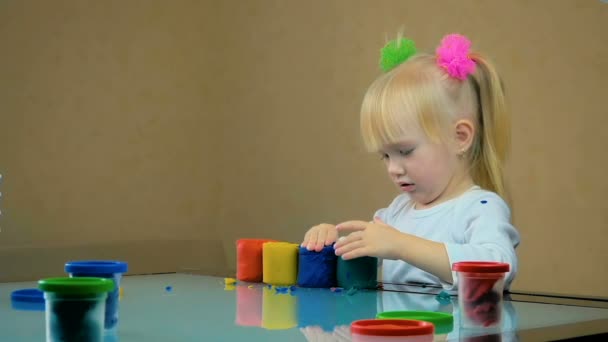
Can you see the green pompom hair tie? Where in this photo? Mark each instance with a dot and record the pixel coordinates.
(396, 52)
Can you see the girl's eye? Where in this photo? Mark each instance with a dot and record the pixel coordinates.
(406, 152)
(383, 156)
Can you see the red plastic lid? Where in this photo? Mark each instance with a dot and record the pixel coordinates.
(481, 267)
(391, 327)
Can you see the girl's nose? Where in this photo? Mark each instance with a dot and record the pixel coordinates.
(395, 168)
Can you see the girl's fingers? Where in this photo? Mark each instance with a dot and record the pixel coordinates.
(348, 247)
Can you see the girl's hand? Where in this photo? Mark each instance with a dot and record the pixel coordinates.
(320, 236)
(375, 239)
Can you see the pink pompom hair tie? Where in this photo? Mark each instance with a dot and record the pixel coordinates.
(453, 56)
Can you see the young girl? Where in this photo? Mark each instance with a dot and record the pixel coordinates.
(440, 125)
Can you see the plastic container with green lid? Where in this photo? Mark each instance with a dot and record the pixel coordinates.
(443, 322)
(75, 308)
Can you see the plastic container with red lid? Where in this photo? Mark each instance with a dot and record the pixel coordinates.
(480, 292)
(391, 330)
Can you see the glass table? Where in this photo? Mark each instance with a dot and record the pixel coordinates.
(185, 307)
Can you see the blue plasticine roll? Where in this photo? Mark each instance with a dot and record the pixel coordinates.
(317, 269)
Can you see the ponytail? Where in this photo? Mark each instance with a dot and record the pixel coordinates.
(490, 150)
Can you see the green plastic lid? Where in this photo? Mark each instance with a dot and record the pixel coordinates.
(443, 322)
(76, 286)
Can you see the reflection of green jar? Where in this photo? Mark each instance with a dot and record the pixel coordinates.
(361, 305)
(360, 273)
(278, 310)
(443, 322)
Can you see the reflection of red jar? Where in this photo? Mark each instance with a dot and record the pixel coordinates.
(249, 259)
(480, 289)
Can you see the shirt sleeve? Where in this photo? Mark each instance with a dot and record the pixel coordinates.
(488, 236)
(388, 215)
(383, 214)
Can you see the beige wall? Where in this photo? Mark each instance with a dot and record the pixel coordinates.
(108, 130)
(158, 131)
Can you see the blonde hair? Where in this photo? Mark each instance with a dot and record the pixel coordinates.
(419, 95)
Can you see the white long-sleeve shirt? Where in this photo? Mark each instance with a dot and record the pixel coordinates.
(476, 226)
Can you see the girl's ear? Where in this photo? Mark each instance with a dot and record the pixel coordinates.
(465, 133)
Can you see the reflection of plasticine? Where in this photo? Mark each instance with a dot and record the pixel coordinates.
(281, 289)
(278, 311)
(249, 306)
(351, 291)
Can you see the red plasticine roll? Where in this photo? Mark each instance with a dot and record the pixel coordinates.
(249, 259)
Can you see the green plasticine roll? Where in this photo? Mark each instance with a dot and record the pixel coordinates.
(359, 273)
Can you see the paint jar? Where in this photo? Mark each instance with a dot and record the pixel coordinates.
(75, 308)
(108, 269)
(480, 293)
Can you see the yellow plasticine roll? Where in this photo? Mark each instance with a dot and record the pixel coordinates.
(280, 263)
(278, 310)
